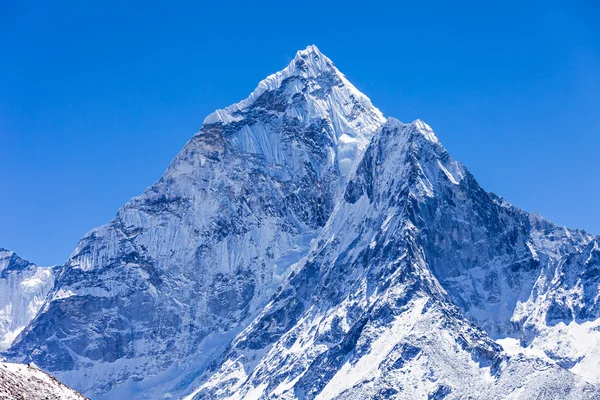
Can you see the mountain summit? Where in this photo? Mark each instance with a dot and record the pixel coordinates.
(303, 246)
(309, 90)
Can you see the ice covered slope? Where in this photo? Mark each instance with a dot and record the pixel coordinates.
(27, 382)
(23, 289)
(162, 288)
(366, 314)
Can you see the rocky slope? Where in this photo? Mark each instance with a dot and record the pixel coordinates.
(27, 382)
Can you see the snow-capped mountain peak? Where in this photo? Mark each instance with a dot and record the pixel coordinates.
(308, 91)
(302, 246)
(186, 265)
(9, 260)
(426, 130)
(23, 290)
(308, 63)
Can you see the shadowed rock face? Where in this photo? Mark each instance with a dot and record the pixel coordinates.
(300, 246)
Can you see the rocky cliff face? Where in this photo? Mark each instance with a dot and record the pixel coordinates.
(300, 246)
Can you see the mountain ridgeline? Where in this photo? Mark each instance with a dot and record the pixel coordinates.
(303, 246)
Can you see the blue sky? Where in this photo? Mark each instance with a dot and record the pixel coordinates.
(96, 99)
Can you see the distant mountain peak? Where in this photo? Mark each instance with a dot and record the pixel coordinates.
(10, 260)
(23, 287)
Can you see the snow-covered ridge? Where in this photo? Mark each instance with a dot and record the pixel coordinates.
(27, 382)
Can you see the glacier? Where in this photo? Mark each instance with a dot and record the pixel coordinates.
(302, 245)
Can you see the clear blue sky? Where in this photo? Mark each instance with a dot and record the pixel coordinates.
(95, 100)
